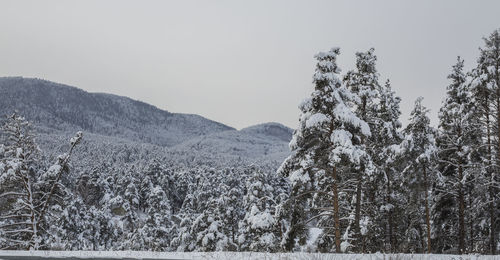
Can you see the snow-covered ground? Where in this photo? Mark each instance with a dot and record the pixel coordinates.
(224, 255)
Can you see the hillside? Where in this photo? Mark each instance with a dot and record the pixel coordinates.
(61, 108)
(120, 131)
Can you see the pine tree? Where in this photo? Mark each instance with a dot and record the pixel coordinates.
(487, 91)
(157, 231)
(230, 208)
(419, 150)
(27, 191)
(207, 230)
(258, 227)
(364, 82)
(456, 142)
(384, 185)
(329, 137)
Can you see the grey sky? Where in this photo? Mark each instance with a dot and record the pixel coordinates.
(238, 62)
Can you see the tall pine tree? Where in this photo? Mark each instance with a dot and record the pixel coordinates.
(329, 137)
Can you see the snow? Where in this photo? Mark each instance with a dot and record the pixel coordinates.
(314, 233)
(53, 171)
(364, 223)
(230, 255)
(344, 113)
(299, 175)
(344, 246)
(19, 152)
(316, 120)
(76, 139)
(305, 104)
(259, 219)
(267, 239)
(341, 137)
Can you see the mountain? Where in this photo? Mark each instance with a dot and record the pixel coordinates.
(57, 107)
(271, 130)
(120, 131)
(259, 144)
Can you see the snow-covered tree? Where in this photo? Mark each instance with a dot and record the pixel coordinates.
(28, 193)
(207, 230)
(418, 149)
(157, 231)
(363, 81)
(329, 137)
(457, 142)
(230, 205)
(258, 227)
(383, 188)
(486, 89)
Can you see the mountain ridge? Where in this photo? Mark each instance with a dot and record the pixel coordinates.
(54, 106)
(58, 110)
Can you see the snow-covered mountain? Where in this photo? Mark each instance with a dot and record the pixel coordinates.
(121, 130)
(56, 107)
(263, 143)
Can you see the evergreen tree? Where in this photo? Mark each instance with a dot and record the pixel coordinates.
(157, 231)
(329, 137)
(487, 92)
(27, 191)
(456, 142)
(258, 227)
(364, 82)
(383, 188)
(418, 149)
(207, 230)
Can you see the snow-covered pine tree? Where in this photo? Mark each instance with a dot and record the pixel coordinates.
(207, 229)
(418, 149)
(230, 208)
(456, 143)
(258, 227)
(486, 88)
(127, 184)
(384, 186)
(78, 220)
(363, 81)
(480, 213)
(18, 222)
(157, 231)
(27, 192)
(328, 139)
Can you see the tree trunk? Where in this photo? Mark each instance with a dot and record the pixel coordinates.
(461, 210)
(357, 216)
(492, 217)
(389, 215)
(357, 213)
(427, 213)
(33, 244)
(336, 213)
(492, 174)
(422, 240)
(471, 224)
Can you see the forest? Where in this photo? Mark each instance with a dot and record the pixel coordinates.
(355, 181)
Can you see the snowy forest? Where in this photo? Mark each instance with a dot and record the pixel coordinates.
(355, 180)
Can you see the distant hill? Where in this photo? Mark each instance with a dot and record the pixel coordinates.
(120, 130)
(52, 106)
(271, 130)
(258, 144)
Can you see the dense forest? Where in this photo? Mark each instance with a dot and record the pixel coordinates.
(355, 180)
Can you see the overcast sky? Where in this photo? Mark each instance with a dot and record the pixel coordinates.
(238, 62)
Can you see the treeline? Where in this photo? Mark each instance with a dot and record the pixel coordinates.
(160, 206)
(355, 180)
(373, 187)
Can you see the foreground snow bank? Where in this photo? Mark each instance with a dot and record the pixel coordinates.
(7, 254)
